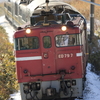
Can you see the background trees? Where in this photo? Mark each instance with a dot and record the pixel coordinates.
(8, 82)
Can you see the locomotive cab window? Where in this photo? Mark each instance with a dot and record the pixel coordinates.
(68, 40)
(26, 43)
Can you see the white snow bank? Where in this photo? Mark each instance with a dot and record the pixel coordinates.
(15, 96)
(92, 85)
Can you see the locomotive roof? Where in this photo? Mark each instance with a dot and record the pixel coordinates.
(35, 3)
(40, 3)
(67, 6)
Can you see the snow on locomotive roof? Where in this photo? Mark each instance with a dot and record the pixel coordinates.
(39, 3)
(68, 6)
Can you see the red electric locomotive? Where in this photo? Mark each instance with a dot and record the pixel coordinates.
(51, 54)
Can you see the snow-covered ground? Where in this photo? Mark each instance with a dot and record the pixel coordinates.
(15, 96)
(92, 84)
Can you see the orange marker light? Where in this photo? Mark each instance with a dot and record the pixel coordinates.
(28, 30)
(63, 28)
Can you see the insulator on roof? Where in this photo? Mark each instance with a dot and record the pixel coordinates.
(47, 1)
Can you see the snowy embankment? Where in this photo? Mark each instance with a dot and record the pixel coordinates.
(15, 96)
(92, 84)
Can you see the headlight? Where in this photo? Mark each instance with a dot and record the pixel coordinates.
(63, 28)
(28, 30)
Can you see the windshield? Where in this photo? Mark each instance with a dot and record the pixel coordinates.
(68, 40)
(26, 43)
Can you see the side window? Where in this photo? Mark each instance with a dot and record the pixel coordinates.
(24, 16)
(20, 11)
(9, 8)
(27, 43)
(47, 42)
(16, 9)
(5, 5)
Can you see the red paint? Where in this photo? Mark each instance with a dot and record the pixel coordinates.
(53, 60)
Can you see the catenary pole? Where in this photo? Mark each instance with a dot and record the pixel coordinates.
(92, 3)
(91, 21)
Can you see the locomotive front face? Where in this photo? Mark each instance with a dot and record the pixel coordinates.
(46, 54)
(49, 61)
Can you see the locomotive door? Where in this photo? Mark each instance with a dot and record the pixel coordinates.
(48, 55)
